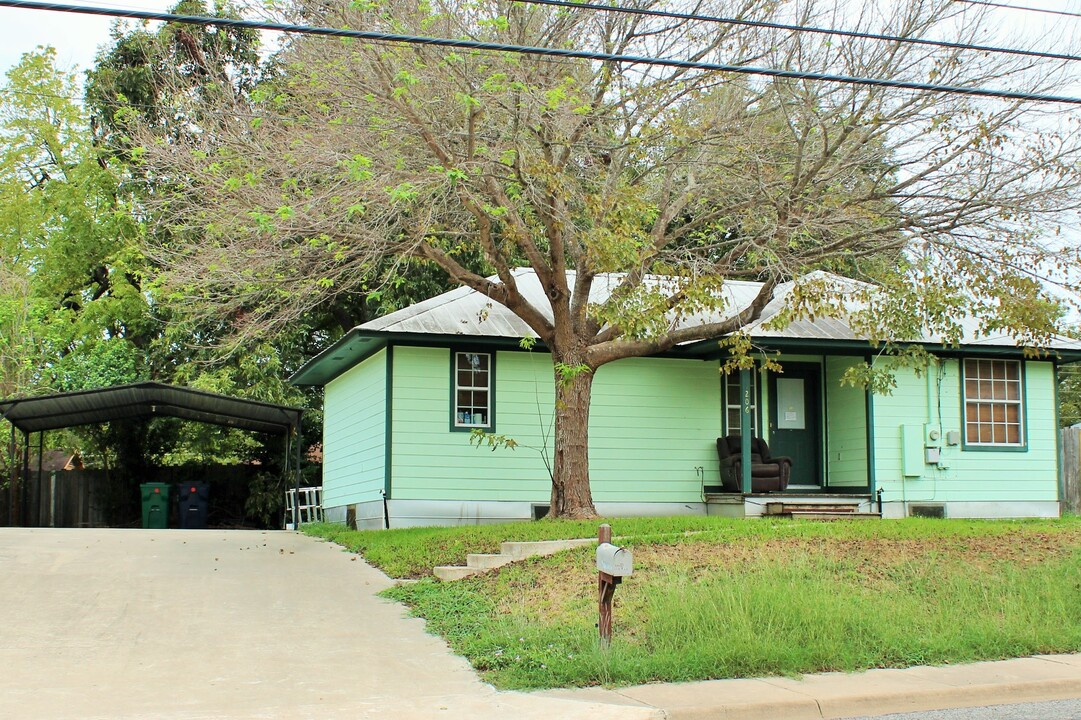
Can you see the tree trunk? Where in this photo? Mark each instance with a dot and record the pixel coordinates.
(571, 496)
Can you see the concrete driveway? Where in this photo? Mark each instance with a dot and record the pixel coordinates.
(235, 624)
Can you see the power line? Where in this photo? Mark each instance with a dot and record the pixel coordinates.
(802, 28)
(1019, 7)
(542, 51)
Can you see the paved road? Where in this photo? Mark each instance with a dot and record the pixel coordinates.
(1056, 710)
(186, 625)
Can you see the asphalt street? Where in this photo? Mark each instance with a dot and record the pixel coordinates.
(1056, 710)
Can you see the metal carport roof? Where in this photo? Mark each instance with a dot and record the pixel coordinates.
(147, 399)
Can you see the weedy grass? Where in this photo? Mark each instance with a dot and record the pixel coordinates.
(413, 552)
(732, 598)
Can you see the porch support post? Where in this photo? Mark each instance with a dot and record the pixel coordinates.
(745, 405)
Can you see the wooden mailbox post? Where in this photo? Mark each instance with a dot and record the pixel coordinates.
(613, 564)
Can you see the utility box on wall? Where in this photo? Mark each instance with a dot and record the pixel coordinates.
(912, 445)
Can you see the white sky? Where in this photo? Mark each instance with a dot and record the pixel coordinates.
(78, 37)
(75, 37)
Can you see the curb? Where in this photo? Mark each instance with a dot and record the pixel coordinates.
(847, 695)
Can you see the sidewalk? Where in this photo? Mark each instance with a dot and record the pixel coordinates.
(841, 695)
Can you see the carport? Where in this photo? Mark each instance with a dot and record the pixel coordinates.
(139, 400)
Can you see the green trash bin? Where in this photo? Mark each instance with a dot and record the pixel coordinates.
(155, 505)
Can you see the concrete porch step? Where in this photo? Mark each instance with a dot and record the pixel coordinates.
(509, 552)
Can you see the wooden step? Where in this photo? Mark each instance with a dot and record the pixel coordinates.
(826, 515)
(786, 508)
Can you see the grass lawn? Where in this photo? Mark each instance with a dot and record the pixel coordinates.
(717, 598)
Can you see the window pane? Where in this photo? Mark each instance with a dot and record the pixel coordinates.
(1013, 414)
(1013, 434)
(972, 433)
(985, 434)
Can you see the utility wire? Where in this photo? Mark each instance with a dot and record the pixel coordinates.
(1019, 7)
(622, 9)
(542, 51)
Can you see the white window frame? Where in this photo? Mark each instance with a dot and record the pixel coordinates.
(732, 393)
(999, 386)
(464, 418)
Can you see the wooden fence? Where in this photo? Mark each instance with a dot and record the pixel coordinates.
(1070, 468)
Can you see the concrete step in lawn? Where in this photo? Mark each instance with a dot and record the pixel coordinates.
(509, 552)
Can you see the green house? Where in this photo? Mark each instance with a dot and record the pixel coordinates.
(975, 435)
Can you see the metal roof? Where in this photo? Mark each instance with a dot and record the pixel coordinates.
(464, 311)
(148, 399)
(465, 315)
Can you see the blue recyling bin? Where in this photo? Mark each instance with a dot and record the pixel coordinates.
(194, 499)
(155, 505)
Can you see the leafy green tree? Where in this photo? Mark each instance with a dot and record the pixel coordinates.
(353, 156)
(72, 265)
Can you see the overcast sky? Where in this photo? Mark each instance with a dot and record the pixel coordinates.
(77, 37)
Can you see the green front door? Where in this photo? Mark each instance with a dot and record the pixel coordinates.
(795, 427)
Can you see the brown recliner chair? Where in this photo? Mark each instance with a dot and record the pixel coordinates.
(768, 474)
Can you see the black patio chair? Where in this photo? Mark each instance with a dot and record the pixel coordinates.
(768, 473)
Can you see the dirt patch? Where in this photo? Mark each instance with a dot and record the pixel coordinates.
(560, 586)
(1019, 548)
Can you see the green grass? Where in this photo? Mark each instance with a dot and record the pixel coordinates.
(714, 598)
(413, 552)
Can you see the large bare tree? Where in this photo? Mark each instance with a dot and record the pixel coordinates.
(357, 152)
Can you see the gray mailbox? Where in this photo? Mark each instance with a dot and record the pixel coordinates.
(614, 560)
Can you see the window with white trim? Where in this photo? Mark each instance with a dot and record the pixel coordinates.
(472, 390)
(993, 403)
(733, 406)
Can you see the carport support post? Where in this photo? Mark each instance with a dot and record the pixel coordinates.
(296, 500)
(11, 479)
(745, 429)
(24, 483)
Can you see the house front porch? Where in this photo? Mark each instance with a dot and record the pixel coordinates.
(795, 504)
